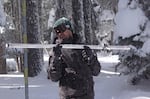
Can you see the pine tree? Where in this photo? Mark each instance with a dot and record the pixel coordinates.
(135, 62)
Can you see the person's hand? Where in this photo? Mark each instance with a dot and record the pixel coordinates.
(57, 50)
(87, 54)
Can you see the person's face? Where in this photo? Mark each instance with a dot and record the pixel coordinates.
(63, 33)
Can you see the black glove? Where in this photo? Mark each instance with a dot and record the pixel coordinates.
(87, 54)
(57, 50)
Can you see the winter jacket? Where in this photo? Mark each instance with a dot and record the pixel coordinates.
(75, 76)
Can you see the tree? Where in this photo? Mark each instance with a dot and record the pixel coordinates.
(89, 25)
(60, 9)
(135, 62)
(87, 8)
(3, 68)
(41, 27)
(84, 20)
(33, 36)
(45, 9)
(106, 10)
(77, 18)
(14, 34)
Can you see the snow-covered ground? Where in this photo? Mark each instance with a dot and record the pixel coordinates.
(108, 85)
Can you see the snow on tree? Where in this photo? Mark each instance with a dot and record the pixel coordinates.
(132, 28)
(105, 10)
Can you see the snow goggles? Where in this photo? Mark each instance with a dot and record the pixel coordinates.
(60, 29)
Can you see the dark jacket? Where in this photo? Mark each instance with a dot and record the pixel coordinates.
(75, 76)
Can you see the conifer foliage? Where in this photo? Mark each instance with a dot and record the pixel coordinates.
(135, 62)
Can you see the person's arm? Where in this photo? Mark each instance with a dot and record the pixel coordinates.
(90, 58)
(55, 69)
(95, 66)
(55, 65)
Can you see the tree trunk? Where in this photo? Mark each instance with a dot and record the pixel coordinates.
(60, 9)
(41, 28)
(3, 68)
(33, 36)
(78, 19)
(87, 21)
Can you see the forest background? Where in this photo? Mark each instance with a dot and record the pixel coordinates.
(96, 21)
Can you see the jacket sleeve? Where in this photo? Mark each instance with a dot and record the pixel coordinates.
(95, 66)
(54, 68)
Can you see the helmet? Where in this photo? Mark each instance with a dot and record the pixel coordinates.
(63, 22)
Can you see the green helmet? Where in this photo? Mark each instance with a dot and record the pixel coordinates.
(63, 21)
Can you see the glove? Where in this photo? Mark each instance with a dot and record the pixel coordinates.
(87, 54)
(57, 50)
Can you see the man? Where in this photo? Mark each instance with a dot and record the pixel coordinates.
(73, 68)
